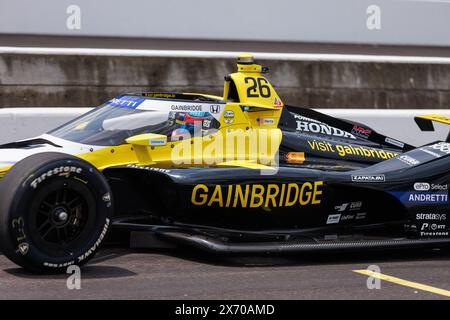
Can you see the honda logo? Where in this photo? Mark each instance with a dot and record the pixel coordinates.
(214, 108)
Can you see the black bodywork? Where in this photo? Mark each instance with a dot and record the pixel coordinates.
(354, 189)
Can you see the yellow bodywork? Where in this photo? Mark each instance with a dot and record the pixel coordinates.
(255, 118)
(4, 170)
(435, 117)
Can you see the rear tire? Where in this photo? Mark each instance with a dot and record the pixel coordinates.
(55, 210)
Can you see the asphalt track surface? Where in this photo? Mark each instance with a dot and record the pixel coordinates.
(118, 273)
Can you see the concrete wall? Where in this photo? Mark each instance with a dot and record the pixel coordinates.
(81, 78)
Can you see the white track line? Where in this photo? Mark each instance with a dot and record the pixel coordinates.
(224, 54)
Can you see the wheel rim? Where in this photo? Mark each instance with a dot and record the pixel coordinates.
(63, 217)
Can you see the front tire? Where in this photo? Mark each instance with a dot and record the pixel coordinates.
(55, 210)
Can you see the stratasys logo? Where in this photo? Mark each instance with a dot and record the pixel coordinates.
(431, 216)
(425, 186)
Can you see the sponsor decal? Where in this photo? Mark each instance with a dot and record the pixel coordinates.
(179, 110)
(421, 197)
(421, 186)
(410, 161)
(431, 216)
(368, 177)
(158, 142)
(440, 187)
(106, 197)
(394, 142)
(361, 132)
(347, 217)
(432, 153)
(58, 265)
(312, 126)
(268, 121)
(214, 108)
(443, 147)
(295, 157)
(437, 150)
(277, 103)
(133, 166)
(333, 218)
(361, 215)
(425, 186)
(206, 123)
(60, 171)
(186, 107)
(341, 207)
(349, 150)
(352, 206)
(258, 195)
(356, 205)
(159, 95)
(433, 229)
(23, 248)
(228, 117)
(428, 197)
(126, 102)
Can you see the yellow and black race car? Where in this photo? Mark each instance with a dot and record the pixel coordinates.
(239, 173)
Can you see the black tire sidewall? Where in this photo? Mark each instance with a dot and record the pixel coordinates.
(26, 183)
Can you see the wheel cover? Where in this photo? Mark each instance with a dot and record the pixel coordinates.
(62, 215)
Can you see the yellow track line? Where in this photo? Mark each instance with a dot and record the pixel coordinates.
(405, 283)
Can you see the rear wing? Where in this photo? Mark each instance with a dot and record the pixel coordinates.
(425, 122)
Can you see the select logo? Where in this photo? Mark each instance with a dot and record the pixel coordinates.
(425, 186)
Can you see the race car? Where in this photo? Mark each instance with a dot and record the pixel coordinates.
(240, 173)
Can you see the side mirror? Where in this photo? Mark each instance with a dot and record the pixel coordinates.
(148, 139)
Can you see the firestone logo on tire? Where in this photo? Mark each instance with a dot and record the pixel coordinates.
(63, 170)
